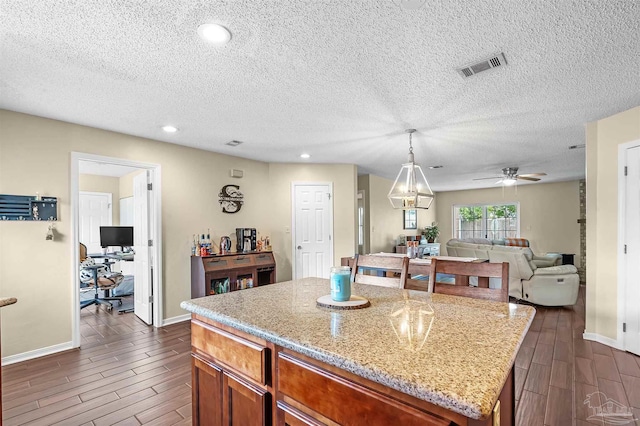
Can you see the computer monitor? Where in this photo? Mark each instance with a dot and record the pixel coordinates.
(116, 236)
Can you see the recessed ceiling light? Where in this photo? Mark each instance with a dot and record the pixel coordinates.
(577, 146)
(435, 167)
(214, 33)
(305, 156)
(233, 143)
(170, 129)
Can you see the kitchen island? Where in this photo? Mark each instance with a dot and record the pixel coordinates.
(270, 355)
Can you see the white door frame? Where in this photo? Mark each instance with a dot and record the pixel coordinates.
(295, 184)
(622, 229)
(156, 225)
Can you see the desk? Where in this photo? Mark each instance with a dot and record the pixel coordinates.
(112, 256)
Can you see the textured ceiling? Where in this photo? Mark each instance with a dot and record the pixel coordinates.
(340, 80)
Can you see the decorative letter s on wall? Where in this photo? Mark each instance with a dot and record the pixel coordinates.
(230, 198)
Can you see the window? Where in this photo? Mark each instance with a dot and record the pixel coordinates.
(410, 218)
(491, 221)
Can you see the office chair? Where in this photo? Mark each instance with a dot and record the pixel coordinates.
(92, 273)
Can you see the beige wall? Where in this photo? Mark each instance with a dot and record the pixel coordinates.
(385, 222)
(125, 184)
(603, 140)
(548, 213)
(35, 156)
(107, 184)
(278, 209)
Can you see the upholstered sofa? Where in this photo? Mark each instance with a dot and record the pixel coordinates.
(548, 286)
(541, 261)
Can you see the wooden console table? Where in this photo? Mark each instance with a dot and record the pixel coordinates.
(230, 272)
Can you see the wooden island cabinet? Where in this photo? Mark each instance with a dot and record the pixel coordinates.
(241, 380)
(272, 357)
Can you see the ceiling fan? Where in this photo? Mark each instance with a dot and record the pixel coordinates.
(510, 176)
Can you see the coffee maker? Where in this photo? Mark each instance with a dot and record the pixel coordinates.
(246, 239)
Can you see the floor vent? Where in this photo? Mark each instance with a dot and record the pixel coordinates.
(494, 61)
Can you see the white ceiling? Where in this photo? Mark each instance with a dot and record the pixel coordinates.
(340, 80)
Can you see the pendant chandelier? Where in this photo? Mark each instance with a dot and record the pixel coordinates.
(411, 189)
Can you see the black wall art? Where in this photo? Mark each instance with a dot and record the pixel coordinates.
(230, 199)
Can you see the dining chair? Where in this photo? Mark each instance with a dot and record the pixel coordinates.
(462, 272)
(385, 271)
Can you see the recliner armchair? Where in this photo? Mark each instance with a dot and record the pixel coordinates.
(541, 261)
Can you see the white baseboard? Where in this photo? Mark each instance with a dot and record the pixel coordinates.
(37, 353)
(604, 340)
(175, 320)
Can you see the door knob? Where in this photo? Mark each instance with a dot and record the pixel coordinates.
(299, 247)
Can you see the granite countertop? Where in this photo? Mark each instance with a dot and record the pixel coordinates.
(459, 356)
(6, 301)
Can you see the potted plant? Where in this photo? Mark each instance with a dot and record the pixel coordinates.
(431, 232)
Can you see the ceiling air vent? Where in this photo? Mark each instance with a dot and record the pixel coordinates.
(233, 143)
(494, 61)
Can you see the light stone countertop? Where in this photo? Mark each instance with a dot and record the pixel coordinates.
(6, 301)
(461, 364)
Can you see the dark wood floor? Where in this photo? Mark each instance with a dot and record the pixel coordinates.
(130, 374)
(556, 370)
(126, 373)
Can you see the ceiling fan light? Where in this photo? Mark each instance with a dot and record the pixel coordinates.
(508, 181)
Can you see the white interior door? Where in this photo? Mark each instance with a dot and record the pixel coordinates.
(94, 212)
(126, 219)
(631, 285)
(313, 244)
(142, 259)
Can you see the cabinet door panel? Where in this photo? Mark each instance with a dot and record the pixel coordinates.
(289, 416)
(241, 260)
(343, 401)
(264, 259)
(206, 393)
(230, 351)
(245, 404)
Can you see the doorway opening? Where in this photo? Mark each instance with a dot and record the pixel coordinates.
(140, 209)
(363, 231)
